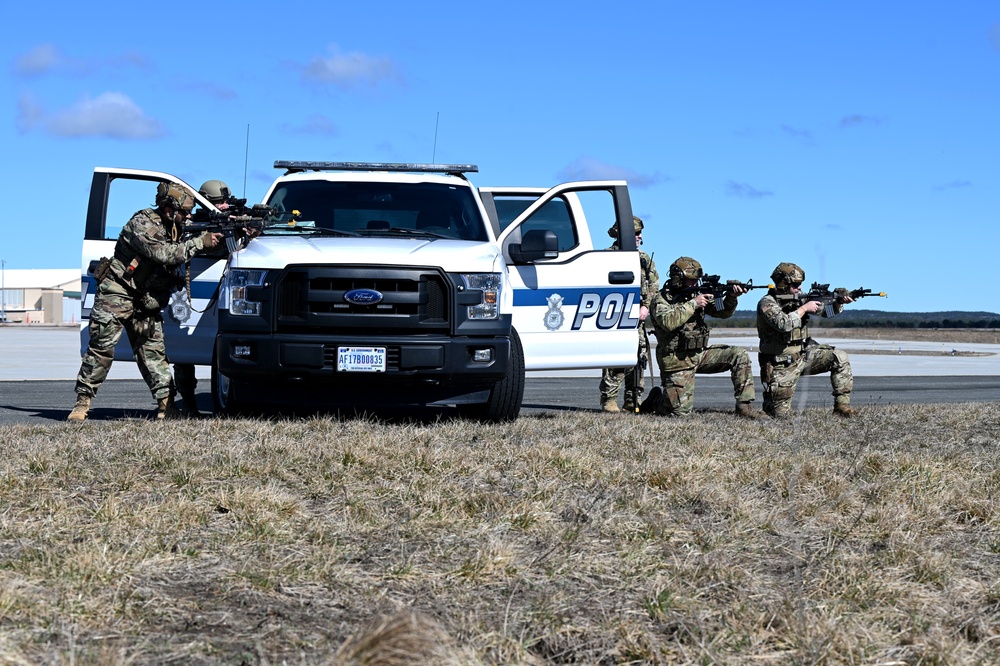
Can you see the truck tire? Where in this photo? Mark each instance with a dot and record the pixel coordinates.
(506, 396)
(224, 393)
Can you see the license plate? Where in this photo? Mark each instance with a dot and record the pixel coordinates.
(361, 359)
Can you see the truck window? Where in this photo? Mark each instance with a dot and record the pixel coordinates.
(126, 197)
(553, 216)
(370, 208)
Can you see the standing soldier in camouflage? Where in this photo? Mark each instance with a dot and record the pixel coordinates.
(678, 314)
(613, 378)
(132, 288)
(786, 350)
(217, 192)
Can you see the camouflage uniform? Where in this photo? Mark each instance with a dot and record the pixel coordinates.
(787, 352)
(682, 351)
(185, 379)
(613, 378)
(130, 298)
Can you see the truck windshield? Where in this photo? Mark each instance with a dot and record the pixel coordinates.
(376, 209)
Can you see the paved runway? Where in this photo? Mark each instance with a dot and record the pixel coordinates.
(54, 353)
(39, 365)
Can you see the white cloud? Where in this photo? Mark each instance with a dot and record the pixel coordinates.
(48, 59)
(746, 191)
(316, 124)
(39, 60)
(588, 168)
(350, 70)
(29, 113)
(213, 90)
(954, 185)
(805, 136)
(110, 115)
(856, 119)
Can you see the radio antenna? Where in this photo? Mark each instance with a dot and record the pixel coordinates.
(246, 155)
(434, 152)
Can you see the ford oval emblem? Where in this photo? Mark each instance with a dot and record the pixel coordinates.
(363, 296)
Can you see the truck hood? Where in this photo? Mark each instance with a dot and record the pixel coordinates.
(275, 252)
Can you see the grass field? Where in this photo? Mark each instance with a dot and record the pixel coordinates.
(583, 538)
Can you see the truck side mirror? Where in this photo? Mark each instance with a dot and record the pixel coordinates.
(536, 244)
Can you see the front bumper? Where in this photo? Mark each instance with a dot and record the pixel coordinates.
(421, 369)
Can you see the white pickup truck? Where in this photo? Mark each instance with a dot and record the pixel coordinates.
(394, 284)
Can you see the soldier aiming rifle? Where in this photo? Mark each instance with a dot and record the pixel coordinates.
(786, 350)
(829, 299)
(237, 224)
(678, 314)
(713, 286)
(236, 221)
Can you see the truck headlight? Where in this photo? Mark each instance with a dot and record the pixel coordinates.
(233, 294)
(489, 284)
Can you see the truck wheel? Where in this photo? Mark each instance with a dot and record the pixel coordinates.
(505, 397)
(224, 393)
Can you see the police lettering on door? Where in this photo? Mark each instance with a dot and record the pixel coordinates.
(610, 310)
(602, 309)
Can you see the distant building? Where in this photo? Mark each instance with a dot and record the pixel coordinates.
(41, 296)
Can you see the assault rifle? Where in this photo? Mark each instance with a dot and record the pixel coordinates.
(713, 286)
(232, 223)
(823, 294)
(639, 369)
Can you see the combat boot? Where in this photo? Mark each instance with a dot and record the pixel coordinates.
(609, 404)
(652, 400)
(165, 408)
(189, 408)
(745, 410)
(844, 409)
(630, 407)
(80, 409)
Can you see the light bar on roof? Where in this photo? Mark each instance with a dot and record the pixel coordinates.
(296, 165)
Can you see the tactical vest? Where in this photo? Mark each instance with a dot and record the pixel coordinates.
(692, 337)
(777, 343)
(140, 274)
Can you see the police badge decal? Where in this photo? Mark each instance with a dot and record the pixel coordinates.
(180, 310)
(554, 316)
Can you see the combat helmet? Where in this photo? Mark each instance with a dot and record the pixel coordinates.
(684, 268)
(787, 274)
(175, 196)
(636, 222)
(215, 191)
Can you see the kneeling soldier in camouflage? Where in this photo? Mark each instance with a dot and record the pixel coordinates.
(678, 314)
(132, 288)
(786, 350)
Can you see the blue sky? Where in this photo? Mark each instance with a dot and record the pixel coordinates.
(857, 139)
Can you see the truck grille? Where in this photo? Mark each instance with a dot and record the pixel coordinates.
(312, 297)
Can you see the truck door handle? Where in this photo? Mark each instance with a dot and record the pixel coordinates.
(621, 277)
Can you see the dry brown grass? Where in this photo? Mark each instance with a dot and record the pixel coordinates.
(577, 538)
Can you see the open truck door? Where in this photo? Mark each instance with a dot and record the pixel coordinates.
(575, 306)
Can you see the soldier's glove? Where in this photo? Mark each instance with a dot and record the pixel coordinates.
(151, 303)
(209, 239)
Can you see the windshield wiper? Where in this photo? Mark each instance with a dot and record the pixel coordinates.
(319, 231)
(402, 231)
